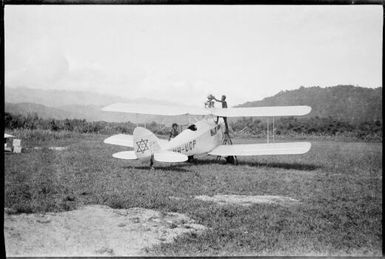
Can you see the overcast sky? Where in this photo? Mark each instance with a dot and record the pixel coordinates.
(184, 53)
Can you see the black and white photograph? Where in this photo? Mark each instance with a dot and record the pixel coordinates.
(192, 130)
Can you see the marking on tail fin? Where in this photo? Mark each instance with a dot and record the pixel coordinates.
(142, 145)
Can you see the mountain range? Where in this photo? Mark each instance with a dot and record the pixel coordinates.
(62, 104)
(343, 102)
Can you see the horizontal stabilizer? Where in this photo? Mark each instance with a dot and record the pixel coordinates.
(169, 156)
(120, 140)
(126, 140)
(272, 111)
(125, 155)
(292, 148)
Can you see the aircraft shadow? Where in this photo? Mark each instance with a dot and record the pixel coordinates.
(172, 168)
(292, 166)
(182, 166)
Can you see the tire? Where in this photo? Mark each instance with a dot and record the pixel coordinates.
(230, 160)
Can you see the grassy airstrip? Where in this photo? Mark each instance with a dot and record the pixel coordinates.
(338, 184)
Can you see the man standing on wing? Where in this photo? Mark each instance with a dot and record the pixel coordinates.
(224, 106)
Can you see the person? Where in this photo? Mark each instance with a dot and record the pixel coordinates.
(229, 159)
(224, 106)
(223, 101)
(209, 103)
(174, 131)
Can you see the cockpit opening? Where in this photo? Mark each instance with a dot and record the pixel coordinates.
(192, 127)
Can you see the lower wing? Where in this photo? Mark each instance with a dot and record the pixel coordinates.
(292, 148)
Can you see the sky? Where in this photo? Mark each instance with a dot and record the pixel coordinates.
(183, 53)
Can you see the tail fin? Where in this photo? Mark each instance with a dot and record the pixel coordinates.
(145, 143)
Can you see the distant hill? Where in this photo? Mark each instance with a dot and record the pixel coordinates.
(60, 98)
(343, 102)
(41, 110)
(57, 98)
(87, 112)
(62, 104)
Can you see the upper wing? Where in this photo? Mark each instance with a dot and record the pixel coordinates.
(157, 109)
(172, 110)
(261, 149)
(126, 140)
(262, 111)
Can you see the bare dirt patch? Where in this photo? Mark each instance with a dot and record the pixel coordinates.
(246, 200)
(94, 230)
(52, 148)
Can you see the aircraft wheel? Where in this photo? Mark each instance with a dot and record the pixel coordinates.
(190, 159)
(152, 162)
(230, 160)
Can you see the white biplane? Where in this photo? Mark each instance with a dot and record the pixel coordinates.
(206, 136)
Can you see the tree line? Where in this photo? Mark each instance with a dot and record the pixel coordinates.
(33, 121)
(248, 126)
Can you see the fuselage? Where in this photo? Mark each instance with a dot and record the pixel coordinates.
(199, 138)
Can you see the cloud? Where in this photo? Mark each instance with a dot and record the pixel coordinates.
(41, 65)
(166, 53)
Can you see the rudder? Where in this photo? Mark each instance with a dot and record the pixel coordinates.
(145, 143)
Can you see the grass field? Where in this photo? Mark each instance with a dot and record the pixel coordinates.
(338, 184)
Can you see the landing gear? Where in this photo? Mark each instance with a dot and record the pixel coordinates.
(231, 160)
(227, 141)
(191, 159)
(152, 162)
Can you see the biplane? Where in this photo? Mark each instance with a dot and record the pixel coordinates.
(206, 136)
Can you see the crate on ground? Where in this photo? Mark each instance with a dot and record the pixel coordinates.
(16, 146)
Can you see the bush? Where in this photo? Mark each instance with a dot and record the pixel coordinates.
(32, 122)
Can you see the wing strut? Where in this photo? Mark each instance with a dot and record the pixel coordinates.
(268, 130)
(273, 130)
